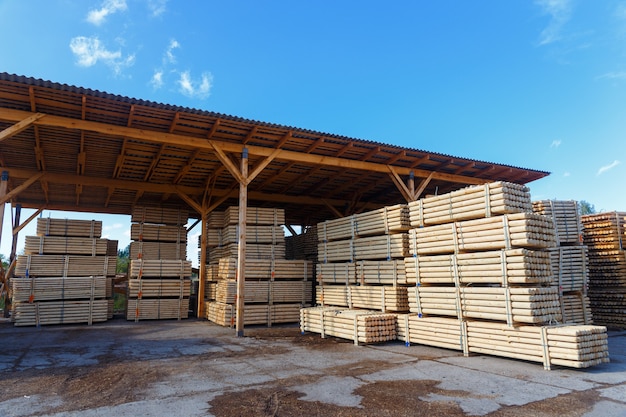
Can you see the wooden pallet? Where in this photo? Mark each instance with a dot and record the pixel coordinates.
(226, 314)
(147, 232)
(158, 250)
(513, 266)
(64, 265)
(473, 202)
(142, 268)
(68, 227)
(41, 313)
(566, 345)
(533, 305)
(157, 308)
(158, 288)
(565, 217)
(360, 326)
(522, 230)
(55, 245)
(159, 215)
(380, 298)
(58, 288)
(387, 220)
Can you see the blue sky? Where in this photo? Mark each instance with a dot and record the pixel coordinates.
(535, 84)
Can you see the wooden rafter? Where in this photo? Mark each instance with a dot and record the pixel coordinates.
(20, 126)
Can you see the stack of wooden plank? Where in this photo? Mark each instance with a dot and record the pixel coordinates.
(303, 245)
(568, 259)
(159, 285)
(444, 332)
(605, 236)
(384, 221)
(64, 275)
(274, 285)
(473, 202)
(360, 326)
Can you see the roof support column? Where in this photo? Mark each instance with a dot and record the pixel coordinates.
(202, 267)
(241, 247)
(4, 184)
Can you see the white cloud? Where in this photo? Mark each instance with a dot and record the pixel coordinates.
(157, 80)
(89, 51)
(194, 88)
(169, 53)
(157, 7)
(619, 75)
(560, 12)
(555, 143)
(606, 168)
(97, 16)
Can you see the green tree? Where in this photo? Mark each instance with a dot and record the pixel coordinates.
(123, 260)
(4, 261)
(584, 207)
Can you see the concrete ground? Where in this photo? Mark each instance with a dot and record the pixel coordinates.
(194, 368)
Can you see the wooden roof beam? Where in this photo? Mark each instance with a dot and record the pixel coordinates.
(20, 126)
(17, 190)
(181, 140)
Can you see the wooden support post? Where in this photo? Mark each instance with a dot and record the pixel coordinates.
(16, 224)
(202, 266)
(241, 247)
(4, 183)
(411, 184)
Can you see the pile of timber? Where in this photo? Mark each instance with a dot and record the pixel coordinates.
(569, 259)
(275, 288)
(513, 266)
(574, 346)
(65, 274)
(384, 221)
(226, 314)
(159, 286)
(471, 203)
(605, 236)
(534, 305)
(372, 297)
(518, 230)
(361, 260)
(443, 332)
(564, 214)
(360, 326)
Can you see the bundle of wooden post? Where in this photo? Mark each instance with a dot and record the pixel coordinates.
(266, 292)
(576, 308)
(513, 266)
(444, 332)
(578, 346)
(69, 227)
(373, 297)
(60, 312)
(63, 275)
(473, 202)
(525, 230)
(265, 269)
(387, 220)
(255, 215)
(268, 314)
(253, 251)
(160, 286)
(565, 217)
(511, 305)
(605, 236)
(365, 248)
(360, 326)
(388, 272)
(336, 273)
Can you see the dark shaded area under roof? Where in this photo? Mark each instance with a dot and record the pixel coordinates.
(76, 149)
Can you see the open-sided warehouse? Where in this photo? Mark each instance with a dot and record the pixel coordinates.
(71, 148)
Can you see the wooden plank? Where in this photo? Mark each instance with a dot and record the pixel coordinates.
(68, 227)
